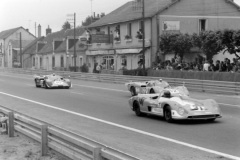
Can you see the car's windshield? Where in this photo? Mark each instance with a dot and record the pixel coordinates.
(54, 77)
(163, 84)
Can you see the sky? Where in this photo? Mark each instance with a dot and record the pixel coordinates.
(25, 13)
(52, 13)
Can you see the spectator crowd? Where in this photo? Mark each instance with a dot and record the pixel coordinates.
(207, 65)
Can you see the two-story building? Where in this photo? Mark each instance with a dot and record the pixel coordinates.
(56, 50)
(124, 28)
(194, 16)
(12, 41)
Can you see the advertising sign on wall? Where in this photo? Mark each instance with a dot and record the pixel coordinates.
(101, 38)
(171, 26)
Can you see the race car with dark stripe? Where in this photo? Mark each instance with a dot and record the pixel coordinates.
(52, 81)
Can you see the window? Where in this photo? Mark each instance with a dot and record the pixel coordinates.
(53, 61)
(62, 61)
(108, 62)
(33, 61)
(80, 61)
(202, 25)
(124, 61)
(129, 29)
(140, 59)
(140, 26)
(40, 62)
(109, 32)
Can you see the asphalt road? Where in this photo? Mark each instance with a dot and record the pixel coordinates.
(101, 112)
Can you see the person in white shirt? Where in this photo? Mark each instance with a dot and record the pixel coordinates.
(206, 66)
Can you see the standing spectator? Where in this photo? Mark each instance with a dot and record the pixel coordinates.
(217, 66)
(223, 67)
(98, 68)
(206, 66)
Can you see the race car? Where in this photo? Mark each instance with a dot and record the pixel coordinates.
(174, 106)
(154, 86)
(52, 81)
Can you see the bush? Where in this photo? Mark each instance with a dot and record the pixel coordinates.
(84, 68)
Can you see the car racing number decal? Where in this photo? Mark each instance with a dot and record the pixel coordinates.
(141, 100)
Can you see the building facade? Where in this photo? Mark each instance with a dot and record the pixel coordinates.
(194, 16)
(56, 51)
(10, 45)
(177, 16)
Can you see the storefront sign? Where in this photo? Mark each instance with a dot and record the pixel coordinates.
(101, 38)
(127, 51)
(105, 52)
(171, 25)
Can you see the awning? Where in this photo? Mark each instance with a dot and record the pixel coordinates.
(100, 52)
(128, 51)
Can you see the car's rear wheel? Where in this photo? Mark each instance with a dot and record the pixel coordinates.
(168, 114)
(137, 110)
(133, 91)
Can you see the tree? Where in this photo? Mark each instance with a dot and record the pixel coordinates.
(182, 44)
(231, 41)
(209, 42)
(66, 26)
(179, 44)
(87, 21)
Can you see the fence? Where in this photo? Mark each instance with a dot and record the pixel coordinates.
(223, 87)
(74, 146)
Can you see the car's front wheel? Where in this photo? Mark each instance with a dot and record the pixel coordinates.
(45, 85)
(168, 114)
(137, 110)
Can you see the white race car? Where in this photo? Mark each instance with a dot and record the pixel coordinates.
(174, 106)
(154, 86)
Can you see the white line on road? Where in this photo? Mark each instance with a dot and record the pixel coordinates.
(101, 88)
(128, 128)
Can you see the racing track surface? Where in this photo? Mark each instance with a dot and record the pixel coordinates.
(100, 111)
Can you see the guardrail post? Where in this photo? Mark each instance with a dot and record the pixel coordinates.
(44, 140)
(97, 154)
(10, 124)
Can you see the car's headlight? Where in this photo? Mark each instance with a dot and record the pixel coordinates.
(181, 110)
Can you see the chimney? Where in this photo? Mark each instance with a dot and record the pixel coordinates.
(27, 30)
(39, 30)
(48, 30)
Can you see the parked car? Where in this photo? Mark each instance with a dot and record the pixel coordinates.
(174, 106)
(52, 81)
(154, 86)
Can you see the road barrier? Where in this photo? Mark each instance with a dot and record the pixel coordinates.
(74, 146)
(223, 87)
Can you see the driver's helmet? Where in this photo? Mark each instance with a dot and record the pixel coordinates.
(160, 80)
(167, 94)
(54, 74)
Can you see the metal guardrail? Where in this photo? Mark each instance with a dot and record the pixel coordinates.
(222, 87)
(74, 146)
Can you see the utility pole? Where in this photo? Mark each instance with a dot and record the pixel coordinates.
(21, 50)
(74, 37)
(143, 30)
